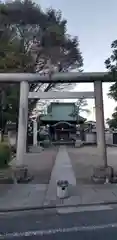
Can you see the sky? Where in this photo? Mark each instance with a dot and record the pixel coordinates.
(93, 21)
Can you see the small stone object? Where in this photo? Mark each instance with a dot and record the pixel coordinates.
(102, 174)
(46, 143)
(107, 180)
(20, 174)
(62, 189)
(78, 143)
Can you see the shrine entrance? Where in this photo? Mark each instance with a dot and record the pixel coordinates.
(71, 77)
(63, 131)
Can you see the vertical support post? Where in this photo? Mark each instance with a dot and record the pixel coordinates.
(35, 133)
(100, 128)
(22, 125)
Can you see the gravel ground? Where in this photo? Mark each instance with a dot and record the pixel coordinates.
(40, 164)
(86, 158)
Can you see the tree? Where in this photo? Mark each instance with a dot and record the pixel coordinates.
(44, 35)
(112, 122)
(111, 65)
(36, 42)
(80, 106)
(10, 61)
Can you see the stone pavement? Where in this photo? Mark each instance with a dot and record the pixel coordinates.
(62, 170)
(87, 195)
(23, 196)
(32, 196)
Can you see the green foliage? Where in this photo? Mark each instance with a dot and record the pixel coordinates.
(49, 28)
(28, 35)
(112, 122)
(111, 65)
(5, 155)
(9, 107)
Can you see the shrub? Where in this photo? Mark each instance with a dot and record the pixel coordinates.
(5, 155)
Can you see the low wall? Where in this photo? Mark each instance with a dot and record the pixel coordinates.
(91, 138)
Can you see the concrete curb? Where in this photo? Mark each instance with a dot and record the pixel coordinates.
(111, 145)
(30, 208)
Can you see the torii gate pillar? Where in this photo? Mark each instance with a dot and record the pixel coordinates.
(100, 127)
(22, 125)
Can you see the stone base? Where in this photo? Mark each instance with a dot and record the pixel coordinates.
(46, 143)
(102, 174)
(21, 175)
(6, 176)
(35, 149)
(78, 143)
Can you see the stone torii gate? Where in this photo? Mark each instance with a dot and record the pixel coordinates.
(26, 78)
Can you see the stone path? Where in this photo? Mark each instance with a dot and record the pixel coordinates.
(62, 170)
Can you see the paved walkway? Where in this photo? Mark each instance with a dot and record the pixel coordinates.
(26, 196)
(23, 196)
(44, 195)
(62, 170)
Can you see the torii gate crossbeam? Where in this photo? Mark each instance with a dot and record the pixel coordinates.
(60, 95)
(69, 77)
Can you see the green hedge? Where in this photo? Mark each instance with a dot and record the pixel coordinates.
(5, 155)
